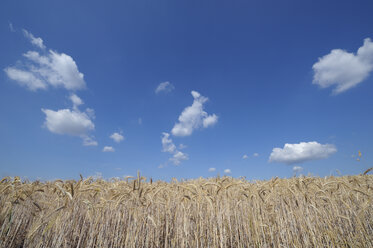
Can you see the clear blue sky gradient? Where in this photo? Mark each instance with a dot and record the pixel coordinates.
(252, 59)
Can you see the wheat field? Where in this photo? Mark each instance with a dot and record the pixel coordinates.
(213, 212)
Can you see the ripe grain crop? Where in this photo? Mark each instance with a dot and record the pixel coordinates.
(214, 212)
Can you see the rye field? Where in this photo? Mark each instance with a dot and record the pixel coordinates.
(212, 212)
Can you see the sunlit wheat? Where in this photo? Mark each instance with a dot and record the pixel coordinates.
(215, 212)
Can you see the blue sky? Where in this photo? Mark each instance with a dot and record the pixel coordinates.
(290, 82)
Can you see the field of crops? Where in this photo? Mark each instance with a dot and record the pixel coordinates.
(214, 212)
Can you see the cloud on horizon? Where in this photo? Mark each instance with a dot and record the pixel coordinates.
(297, 169)
(302, 152)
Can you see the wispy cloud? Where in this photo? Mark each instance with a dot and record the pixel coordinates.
(212, 169)
(26, 78)
(227, 171)
(304, 151)
(169, 147)
(297, 169)
(89, 140)
(245, 156)
(342, 69)
(108, 149)
(182, 146)
(164, 87)
(36, 41)
(167, 144)
(11, 28)
(178, 157)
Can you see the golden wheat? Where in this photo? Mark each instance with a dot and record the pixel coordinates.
(215, 212)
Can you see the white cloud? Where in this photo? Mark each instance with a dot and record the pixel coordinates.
(227, 171)
(164, 87)
(76, 100)
(210, 120)
(55, 69)
(39, 71)
(297, 169)
(342, 69)
(193, 117)
(167, 144)
(25, 78)
(245, 156)
(71, 122)
(178, 157)
(34, 40)
(304, 151)
(108, 149)
(58, 69)
(212, 169)
(117, 137)
(66, 121)
(256, 154)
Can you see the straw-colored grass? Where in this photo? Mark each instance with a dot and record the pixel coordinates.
(215, 212)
